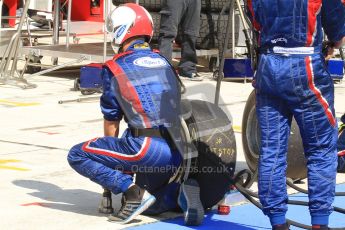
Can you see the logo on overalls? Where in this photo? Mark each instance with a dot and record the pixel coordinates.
(275, 41)
(150, 62)
(120, 31)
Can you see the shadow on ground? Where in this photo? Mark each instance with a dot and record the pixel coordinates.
(70, 200)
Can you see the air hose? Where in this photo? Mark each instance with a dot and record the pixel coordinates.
(292, 185)
(250, 195)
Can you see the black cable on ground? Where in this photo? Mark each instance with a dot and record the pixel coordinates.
(245, 193)
(249, 195)
(299, 189)
(237, 180)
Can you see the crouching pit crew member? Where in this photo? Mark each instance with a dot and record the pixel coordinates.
(141, 86)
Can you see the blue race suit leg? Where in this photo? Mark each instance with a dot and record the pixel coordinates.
(315, 116)
(274, 120)
(104, 160)
(298, 85)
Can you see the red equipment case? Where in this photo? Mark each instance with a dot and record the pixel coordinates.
(82, 11)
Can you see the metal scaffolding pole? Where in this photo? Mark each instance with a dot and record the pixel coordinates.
(225, 45)
(11, 54)
(1, 3)
(68, 26)
(106, 9)
(56, 25)
(233, 4)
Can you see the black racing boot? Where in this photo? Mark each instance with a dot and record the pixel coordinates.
(320, 227)
(135, 201)
(281, 227)
(105, 206)
(189, 201)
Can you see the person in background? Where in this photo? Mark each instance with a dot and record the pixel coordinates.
(183, 14)
(292, 81)
(328, 50)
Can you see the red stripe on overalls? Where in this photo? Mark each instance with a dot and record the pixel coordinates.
(251, 9)
(130, 94)
(314, 7)
(317, 92)
(117, 56)
(341, 153)
(136, 157)
(128, 91)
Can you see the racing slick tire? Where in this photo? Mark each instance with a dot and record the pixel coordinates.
(213, 136)
(296, 161)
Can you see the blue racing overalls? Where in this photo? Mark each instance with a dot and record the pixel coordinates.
(292, 81)
(140, 85)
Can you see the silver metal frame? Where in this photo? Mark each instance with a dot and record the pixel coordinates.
(13, 51)
(234, 4)
(10, 56)
(64, 51)
(106, 10)
(68, 26)
(71, 51)
(1, 3)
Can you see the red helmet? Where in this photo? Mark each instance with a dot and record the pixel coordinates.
(127, 21)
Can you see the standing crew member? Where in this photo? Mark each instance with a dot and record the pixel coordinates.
(292, 81)
(186, 15)
(142, 86)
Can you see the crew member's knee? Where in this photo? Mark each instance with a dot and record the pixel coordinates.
(167, 35)
(75, 155)
(190, 34)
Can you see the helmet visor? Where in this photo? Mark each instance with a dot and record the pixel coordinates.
(109, 26)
